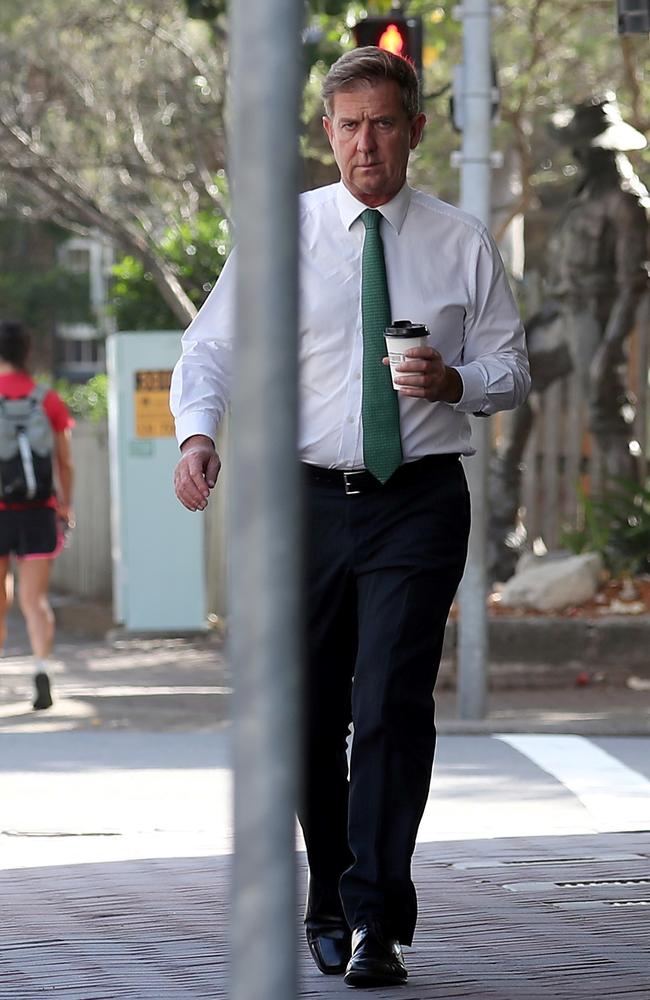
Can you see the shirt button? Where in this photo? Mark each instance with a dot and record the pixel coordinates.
(350, 420)
(357, 374)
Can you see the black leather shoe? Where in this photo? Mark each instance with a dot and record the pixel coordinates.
(377, 960)
(329, 944)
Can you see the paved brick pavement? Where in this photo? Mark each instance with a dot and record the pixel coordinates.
(567, 918)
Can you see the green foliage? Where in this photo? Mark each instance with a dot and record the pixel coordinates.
(42, 298)
(205, 10)
(197, 251)
(87, 401)
(331, 8)
(616, 525)
(135, 299)
(113, 118)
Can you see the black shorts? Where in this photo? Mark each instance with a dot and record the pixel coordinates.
(30, 534)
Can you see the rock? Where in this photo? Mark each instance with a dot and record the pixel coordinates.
(528, 559)
(554, 584)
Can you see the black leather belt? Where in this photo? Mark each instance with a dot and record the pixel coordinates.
(356, 483)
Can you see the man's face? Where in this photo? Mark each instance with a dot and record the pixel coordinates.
(372, 136)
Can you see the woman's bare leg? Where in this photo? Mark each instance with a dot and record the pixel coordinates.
(5, 597)
(33, 583)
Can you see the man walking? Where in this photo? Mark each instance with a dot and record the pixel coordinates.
(387, 506)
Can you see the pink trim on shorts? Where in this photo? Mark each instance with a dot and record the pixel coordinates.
(60, 542)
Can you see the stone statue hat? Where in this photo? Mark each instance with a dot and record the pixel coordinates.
(597, 122)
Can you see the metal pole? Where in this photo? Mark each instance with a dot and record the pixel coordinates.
(475, 198)
(265, 503)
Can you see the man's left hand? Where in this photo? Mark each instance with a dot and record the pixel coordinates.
(426, 375)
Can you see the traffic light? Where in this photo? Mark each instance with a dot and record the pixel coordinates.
(397, 33)
(633, 17)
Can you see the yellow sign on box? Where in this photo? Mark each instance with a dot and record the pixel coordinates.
(153, 418)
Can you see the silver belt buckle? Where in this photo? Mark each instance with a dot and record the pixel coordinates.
(348, 478)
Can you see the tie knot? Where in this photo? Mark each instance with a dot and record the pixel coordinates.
(370, 218)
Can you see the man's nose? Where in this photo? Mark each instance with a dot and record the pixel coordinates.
(366, 137)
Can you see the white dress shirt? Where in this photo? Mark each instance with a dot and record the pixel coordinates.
(443, 270)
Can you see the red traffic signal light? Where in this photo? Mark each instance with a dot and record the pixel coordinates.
(398, 34)
(393, 40)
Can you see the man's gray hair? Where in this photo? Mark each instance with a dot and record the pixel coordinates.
(371, 65)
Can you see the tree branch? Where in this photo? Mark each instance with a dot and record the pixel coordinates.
(174, 41)
(631, 74)
(68, 194)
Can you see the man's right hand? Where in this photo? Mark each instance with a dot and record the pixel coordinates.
(196, 472)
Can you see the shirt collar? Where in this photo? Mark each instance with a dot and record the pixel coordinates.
(394, 211)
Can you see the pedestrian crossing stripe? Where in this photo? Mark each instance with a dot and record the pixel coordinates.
(616, 797)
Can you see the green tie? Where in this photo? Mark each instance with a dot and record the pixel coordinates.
(382, 446)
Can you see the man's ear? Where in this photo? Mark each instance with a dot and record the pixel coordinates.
(417, 128)
(327, 125)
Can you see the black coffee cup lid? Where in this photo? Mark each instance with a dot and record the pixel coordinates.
(404, 328)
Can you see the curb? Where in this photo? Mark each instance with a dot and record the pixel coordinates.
(523, 652)
(611, 643)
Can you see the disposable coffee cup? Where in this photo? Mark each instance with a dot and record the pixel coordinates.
(399, 337)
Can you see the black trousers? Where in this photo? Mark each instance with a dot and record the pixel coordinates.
(382, 570)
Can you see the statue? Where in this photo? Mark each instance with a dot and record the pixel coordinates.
(598, 271)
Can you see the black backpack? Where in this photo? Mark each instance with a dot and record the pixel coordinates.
(26, 448)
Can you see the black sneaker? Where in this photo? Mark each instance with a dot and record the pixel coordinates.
(43, 693)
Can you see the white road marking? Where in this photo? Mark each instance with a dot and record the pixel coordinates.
(616, 797)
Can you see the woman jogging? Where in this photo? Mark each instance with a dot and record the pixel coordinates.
(36, 477)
